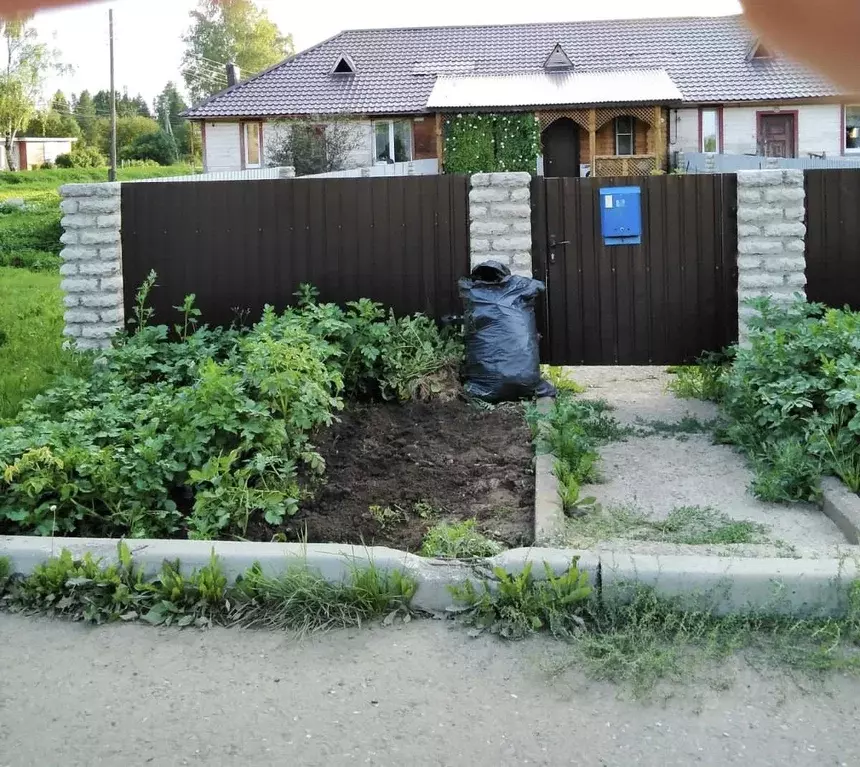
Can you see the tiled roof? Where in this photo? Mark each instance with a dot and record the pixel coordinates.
(705, 57)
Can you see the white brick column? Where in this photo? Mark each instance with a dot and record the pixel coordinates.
(501, 220)
(92, 264)
(771, 238)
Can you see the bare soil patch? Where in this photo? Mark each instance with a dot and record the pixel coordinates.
(416, 465)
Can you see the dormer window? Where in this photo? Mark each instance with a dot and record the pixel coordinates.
(343, 66)
(558, 60)
(759, 51)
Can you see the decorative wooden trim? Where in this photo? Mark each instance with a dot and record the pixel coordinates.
(202, 143)
(592, 137)
(579, 116)
(440, 144)
(781, 113)
(242, 145)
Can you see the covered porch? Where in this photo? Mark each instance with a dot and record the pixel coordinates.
(602, 141)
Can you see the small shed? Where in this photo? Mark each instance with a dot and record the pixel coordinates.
(31, 152)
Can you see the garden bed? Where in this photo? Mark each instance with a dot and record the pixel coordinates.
(393, 471)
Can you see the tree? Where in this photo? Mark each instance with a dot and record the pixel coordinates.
(59, 103)
(229, 31)
(127, 130)
(87, 117)
(26, 64)
(126, 106)
(52, 124)
(169, 106)
(313, 146)
(158, 146)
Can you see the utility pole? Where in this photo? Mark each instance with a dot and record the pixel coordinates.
(112, 172)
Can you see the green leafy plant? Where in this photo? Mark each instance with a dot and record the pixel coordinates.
(198, 599)
(481, 143)
(704, 380)
(791, 398)
(569, 490)
(458, 540)
(386, 516)
(516, 605)
(561, 379)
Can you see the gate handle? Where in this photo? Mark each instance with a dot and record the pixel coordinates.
(552, 244)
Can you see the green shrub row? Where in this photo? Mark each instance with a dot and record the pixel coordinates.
(792, 399)
(206, 432)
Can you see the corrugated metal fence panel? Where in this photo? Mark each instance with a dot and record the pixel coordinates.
(662, 302)
(401, 241)
(833, 237)
(700, 162)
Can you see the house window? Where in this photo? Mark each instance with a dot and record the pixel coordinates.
(625, 137)
(710, 138)
(852, 129)
(392, 141)
(252, 145)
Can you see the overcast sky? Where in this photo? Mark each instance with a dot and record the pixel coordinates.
(148, 32)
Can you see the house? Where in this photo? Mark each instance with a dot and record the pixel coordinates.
(610, 97)
(32, 152)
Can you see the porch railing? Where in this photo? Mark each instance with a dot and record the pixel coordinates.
(624, 165)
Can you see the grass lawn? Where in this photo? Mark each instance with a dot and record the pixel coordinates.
(30, 238)
(31, 326)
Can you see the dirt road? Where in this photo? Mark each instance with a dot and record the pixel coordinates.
(422, 694)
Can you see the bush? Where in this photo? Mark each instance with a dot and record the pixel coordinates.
(48, 165)
(205, 431)
(793, 399)
(140, 164)
(157, 147)
(82, 157)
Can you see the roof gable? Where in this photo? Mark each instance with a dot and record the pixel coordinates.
(705, 57)
(558, 59)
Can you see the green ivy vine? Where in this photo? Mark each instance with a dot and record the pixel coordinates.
(485, 143)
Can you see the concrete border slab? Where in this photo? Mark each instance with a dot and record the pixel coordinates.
(843, 507)
(549, 511)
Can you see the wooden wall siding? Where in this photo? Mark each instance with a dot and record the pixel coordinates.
(606, 140)
(240, 245)
(662, 302)
(833, 237)
(424, 138)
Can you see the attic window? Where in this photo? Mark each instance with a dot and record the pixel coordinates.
(758, 50)
(558, 60)
(344, 66)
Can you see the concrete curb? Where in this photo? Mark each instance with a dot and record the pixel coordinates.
(726, 585)
(843, 507)
(549, 511)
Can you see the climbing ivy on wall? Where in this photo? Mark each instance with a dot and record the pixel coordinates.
(486, 143)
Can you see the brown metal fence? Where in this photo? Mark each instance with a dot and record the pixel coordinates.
(240, 245)
(833, 237)
(662, 302)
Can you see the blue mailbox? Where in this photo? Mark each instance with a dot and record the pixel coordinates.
(621, 215)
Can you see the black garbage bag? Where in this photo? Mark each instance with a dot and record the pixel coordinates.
(502, 354)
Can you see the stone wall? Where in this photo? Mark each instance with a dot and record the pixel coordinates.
(92, 264)
(500, 220)
(771, 238)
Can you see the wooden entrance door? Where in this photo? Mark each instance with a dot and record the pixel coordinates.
(776, 135)
(561, 149)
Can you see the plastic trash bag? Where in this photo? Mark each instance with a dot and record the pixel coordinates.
(500, 331)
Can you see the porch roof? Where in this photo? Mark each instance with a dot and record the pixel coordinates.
(536, 89)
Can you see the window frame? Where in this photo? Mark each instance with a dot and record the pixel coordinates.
(246, 164)
(845, 148)
(718, 120)
(391, 141)
(631, 134)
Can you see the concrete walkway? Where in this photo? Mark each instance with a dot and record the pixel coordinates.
(422, 694)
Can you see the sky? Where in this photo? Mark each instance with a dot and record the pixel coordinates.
(148, 32)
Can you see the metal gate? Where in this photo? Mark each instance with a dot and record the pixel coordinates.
(665, 301)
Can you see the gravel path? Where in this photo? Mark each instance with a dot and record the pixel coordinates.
(423, 694)
(656, 474)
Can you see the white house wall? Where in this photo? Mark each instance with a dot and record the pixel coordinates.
(819, 128)
(223, 148)
(684, 130)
